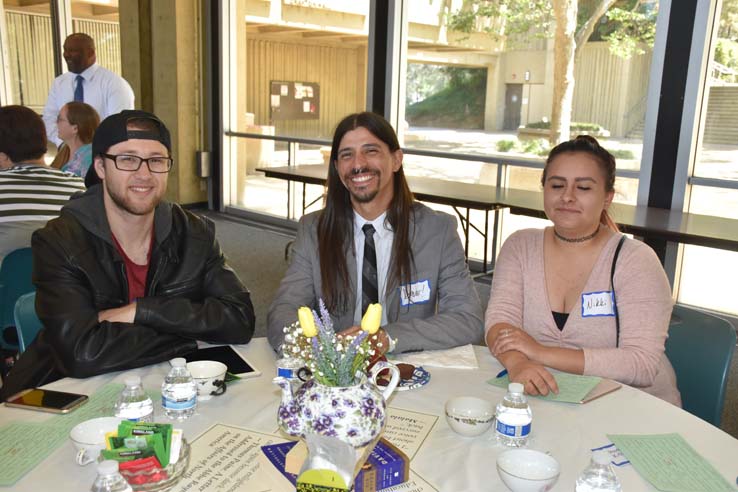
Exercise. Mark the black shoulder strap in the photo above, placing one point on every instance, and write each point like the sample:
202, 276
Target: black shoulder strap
612, 287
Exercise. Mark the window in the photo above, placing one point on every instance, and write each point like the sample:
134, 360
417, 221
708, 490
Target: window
297, 68
480, 82
713, 188
30, 52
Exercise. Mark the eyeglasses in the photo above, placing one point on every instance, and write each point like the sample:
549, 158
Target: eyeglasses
132, 163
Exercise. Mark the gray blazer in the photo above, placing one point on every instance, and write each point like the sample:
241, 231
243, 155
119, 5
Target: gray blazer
451, 317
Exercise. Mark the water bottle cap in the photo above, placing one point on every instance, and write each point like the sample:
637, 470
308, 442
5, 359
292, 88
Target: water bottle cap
601, 457
515, 388
178, 362
107, 467
133, 381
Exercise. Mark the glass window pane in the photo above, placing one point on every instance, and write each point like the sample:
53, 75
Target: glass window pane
30, 51
717, 155
716, 158
707, 278
99, 19
300, 69
481, 82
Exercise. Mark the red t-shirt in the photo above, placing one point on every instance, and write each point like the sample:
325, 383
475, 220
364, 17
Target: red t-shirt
135, 273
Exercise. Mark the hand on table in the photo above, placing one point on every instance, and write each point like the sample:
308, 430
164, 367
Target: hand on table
381, 338
515, 339
123, 314
534, 377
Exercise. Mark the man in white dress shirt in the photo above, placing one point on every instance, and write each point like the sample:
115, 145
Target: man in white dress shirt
86, 81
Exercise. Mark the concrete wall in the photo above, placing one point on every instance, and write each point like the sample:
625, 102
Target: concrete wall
339, 70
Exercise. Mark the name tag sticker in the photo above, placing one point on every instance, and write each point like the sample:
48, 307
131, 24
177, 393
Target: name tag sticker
420, 293
598, 304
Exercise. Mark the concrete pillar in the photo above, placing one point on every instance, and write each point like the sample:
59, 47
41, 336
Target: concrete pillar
163, 64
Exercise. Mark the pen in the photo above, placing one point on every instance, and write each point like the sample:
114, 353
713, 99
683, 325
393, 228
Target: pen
501, 373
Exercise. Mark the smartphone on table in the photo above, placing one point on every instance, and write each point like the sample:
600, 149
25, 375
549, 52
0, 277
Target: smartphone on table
46, 400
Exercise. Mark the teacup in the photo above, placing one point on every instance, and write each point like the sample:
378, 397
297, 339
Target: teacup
89, 437
209, 376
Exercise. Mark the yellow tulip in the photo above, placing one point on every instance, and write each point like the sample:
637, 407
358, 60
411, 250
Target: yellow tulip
372, 318
307, 322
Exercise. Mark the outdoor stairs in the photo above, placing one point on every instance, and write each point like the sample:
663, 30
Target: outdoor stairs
721, 123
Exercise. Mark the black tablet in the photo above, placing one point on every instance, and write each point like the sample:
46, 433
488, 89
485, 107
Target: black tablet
236, 363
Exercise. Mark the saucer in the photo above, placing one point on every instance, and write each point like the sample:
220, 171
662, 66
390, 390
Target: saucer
419, 378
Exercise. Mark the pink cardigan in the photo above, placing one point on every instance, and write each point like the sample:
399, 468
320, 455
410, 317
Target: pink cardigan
644, 302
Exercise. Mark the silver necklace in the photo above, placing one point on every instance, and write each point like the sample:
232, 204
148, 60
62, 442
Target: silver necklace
576, 239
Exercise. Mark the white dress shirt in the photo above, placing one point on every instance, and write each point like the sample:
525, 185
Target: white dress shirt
104, 90
383, 237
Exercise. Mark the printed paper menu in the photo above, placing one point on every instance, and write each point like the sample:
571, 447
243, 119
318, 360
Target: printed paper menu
226, 458
408, 430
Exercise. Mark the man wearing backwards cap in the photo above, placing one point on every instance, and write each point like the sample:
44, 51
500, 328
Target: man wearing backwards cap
125, 279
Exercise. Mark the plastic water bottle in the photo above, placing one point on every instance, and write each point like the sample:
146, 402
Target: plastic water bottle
598, 476
133, 403
179, 391
109, 479
513, 417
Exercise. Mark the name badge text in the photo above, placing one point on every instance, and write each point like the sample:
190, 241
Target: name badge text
598, 304
419, 293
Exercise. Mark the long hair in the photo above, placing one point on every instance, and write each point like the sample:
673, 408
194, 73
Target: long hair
87, 120
336, 221
606, 161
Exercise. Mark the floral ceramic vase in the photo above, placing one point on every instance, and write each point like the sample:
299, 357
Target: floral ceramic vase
354, 414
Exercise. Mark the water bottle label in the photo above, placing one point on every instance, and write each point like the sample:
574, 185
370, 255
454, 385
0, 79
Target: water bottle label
513, 430
171, 404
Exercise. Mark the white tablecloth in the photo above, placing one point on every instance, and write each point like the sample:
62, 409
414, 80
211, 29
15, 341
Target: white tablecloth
448, 461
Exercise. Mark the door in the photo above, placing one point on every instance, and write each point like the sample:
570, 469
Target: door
513, 104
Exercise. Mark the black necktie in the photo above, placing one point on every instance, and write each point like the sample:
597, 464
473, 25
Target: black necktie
369, 293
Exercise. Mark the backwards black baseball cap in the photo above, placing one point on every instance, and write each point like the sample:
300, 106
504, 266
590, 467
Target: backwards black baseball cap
114, 129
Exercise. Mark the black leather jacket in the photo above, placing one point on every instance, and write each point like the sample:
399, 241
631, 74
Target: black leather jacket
191, 294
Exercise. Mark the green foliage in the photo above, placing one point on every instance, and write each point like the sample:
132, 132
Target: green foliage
537, 146
628, 26
580, 127
459, 104
423, 80
632, 31
726, 52
506, 145
521, 16
623, 154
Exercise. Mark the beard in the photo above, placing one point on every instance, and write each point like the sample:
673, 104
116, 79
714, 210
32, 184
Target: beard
364, 196
128, 205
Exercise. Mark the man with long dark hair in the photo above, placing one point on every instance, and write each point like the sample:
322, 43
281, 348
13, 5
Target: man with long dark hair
374, 243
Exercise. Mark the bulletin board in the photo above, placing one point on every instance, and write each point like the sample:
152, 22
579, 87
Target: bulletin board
294, 100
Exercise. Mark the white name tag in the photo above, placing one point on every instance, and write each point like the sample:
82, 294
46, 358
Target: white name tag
598, 304
420, 293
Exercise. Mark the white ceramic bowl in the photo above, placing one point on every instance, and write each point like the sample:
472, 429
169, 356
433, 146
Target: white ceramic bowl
526, 470
469, 416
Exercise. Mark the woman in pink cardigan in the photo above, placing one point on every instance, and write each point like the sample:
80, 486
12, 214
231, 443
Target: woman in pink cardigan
552, 303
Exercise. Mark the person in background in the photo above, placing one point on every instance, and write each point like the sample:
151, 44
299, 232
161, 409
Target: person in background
124, 278
87, 82
373, 243
31, 193
76, 125
578, 296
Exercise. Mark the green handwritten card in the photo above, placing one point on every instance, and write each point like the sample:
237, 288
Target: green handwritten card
572, 387
670, 463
